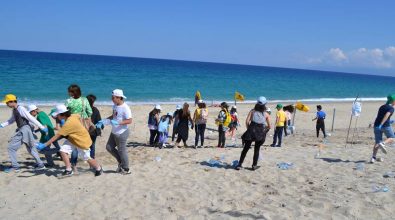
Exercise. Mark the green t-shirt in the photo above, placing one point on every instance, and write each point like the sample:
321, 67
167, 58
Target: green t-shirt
79, 106
43, 118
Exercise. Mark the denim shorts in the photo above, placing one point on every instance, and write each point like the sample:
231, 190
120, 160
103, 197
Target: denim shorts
378, 133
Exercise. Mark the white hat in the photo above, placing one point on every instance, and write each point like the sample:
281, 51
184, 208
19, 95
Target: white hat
200, 101
59, 110
178, 107
31, 108
233, 106
158, 107
118, 93
262, 100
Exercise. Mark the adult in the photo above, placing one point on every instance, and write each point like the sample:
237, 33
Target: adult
320, 117
382, 124
153, 122
184, 119
120, 119
77, 104
258, 124
223, 120
95, 118
175, 124
200, 118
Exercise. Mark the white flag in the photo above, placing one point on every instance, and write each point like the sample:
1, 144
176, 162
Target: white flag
356, 109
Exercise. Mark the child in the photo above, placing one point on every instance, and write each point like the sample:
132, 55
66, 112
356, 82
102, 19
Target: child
200, 118
23, 134
153, 121
233, 124
43, 118
280, 123
120, 119
77, 138
223, 120
163, 129
320, 117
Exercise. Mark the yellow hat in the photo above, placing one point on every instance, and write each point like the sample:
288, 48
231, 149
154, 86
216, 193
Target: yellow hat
9, 98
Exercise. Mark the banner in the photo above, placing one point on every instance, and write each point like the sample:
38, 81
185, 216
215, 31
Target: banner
239, 96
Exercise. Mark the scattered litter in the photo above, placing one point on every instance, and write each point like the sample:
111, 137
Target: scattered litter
235, 163
389, 174
285, 166
157, 159
376, 189
214, 163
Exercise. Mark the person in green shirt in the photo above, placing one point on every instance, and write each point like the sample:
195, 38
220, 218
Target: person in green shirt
43, 118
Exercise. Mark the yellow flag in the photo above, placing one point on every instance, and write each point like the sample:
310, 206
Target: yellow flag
239, 96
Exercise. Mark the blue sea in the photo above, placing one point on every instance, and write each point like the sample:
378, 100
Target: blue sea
40, 77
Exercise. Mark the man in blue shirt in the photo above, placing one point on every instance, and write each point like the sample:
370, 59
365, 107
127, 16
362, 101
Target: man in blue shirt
382, 124
320, 121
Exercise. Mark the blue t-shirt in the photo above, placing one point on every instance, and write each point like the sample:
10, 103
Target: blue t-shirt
321, 115
380, 115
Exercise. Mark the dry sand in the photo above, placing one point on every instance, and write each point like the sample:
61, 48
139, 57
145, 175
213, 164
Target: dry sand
182, 186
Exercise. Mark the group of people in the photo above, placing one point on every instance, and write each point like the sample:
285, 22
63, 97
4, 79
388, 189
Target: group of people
79, 122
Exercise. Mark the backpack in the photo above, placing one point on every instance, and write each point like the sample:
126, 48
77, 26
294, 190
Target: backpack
201, 116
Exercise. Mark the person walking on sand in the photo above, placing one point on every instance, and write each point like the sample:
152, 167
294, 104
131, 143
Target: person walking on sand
95, 117
280, 123
153, 122
320, 117
77, 104
185, 121
175, 124
77, 138
258, 124
382, 124
43, 118
288, 113
119, 120
200, 118
223, 120
24, 134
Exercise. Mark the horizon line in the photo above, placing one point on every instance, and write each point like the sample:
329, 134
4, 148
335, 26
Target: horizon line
197, 61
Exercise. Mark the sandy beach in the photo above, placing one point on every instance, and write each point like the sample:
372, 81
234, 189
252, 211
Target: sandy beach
181, 185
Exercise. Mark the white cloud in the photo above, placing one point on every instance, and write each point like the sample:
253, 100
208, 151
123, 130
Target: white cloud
361, 57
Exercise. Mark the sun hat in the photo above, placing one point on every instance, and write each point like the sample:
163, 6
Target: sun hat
390, 98
224, 105
59, 110
178, 107
279, 106
31, 108
158, 107
9, 98
118, 93
200, 101
262, 100
233, 106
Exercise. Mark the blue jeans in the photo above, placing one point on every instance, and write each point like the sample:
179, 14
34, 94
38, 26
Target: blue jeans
278, 134
378, 133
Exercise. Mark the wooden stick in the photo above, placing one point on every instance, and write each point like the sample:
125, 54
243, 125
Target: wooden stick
349, 127
333, 120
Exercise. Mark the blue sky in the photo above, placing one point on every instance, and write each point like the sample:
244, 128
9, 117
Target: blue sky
351, 36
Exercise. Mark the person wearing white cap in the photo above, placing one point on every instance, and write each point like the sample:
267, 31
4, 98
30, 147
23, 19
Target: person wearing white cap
258, 124
77, 138
43, 118
176, 120
23, 135
163, 129
153, 122
119, 120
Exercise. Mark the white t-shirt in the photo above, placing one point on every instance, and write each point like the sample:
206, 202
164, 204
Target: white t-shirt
120, 113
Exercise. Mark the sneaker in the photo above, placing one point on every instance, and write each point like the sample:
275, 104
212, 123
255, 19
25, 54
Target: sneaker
382, 147
126, 171
99, 172
10, 169
164, 146
372, 160
195, 146
119, 169
278, 145
254, 167
39, 167
67, 173
238, 167
272, 145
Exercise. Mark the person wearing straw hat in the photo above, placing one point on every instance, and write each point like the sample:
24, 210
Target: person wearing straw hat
43, 118
77, 138
24, 134
119, 120
382, 125
258, 124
